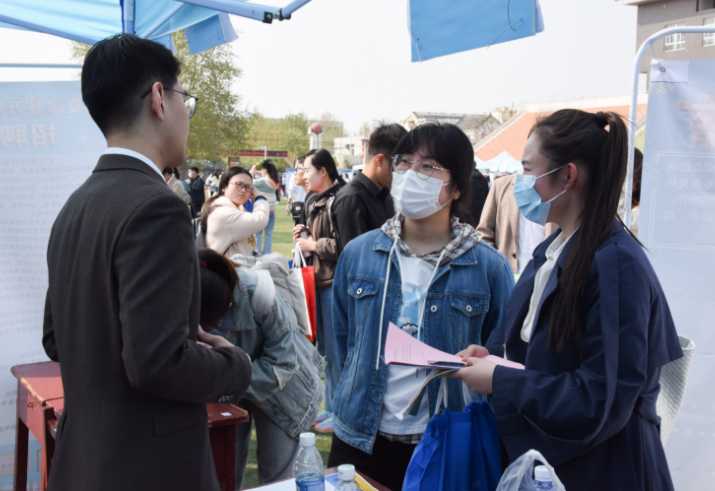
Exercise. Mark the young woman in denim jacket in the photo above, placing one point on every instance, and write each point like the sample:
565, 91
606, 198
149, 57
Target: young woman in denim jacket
588, 319
286, 391
427, 272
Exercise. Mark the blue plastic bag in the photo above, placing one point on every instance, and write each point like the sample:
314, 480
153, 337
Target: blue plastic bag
459, 451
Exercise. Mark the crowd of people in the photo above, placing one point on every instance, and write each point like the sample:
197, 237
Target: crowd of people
152, 328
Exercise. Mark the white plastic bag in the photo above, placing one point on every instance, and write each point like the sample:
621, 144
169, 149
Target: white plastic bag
519, 475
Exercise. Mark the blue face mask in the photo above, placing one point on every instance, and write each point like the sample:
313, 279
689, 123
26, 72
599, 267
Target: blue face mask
529, 201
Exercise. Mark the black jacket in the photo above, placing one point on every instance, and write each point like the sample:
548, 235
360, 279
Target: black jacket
359, 208
480, 190
197, 190
122, 322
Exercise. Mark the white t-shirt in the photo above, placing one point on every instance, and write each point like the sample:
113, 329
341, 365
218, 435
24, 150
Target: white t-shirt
403, 382
542, 277
530, 236
295, 192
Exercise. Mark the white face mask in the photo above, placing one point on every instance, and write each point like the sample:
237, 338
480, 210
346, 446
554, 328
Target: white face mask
416, 197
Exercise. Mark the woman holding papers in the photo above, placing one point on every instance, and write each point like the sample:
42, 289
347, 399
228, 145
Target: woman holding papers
427, 272
588, 319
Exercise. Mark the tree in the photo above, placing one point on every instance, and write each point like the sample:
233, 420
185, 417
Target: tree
219, 123
365, 129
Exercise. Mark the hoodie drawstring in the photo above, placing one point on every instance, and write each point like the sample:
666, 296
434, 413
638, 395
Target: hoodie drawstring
384, 299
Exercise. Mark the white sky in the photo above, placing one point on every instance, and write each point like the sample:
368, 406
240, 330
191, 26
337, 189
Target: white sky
352, 58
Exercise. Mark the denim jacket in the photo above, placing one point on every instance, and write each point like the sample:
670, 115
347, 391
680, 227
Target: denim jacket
285, 383
465, 303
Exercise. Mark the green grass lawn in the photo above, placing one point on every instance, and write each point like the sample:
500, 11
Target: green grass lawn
283, 243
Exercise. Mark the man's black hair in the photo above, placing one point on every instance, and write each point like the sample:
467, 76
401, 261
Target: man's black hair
385, 138
117, 71
168, 171
195, 169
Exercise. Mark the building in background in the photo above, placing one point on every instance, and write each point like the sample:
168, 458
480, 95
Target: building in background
512, 135
475, 126
656, 15
350, 151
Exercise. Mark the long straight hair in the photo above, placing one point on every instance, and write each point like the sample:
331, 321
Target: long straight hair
581, 138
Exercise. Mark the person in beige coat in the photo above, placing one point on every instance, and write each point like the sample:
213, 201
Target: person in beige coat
226, 223
175, 185
502, 226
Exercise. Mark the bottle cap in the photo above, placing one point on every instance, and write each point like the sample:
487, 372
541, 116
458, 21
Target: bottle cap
541, 473
346, 472
307, 439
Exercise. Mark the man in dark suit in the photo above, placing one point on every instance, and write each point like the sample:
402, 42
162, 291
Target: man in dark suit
122, 323
198, 196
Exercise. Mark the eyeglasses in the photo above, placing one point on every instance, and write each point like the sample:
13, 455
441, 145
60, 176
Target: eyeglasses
240, 186
190, 102
423, 168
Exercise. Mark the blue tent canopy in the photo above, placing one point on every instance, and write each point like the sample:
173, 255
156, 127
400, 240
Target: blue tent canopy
504, 163
89, 21
451, 26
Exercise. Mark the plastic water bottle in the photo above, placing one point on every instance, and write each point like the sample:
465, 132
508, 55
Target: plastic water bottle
542, 479
346, 475
309, 473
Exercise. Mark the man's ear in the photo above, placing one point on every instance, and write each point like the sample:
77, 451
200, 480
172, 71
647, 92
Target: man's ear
157, 101
380, 159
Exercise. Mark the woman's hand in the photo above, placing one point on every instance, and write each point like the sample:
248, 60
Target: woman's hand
213, 340
297, 230
254, 194
473, 351
477, 375
306, 245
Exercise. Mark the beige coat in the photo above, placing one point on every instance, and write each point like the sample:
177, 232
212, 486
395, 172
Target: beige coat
229, 226
499, 224
179, 189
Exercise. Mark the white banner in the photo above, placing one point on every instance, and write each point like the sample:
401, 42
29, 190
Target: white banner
48, 147
678, 229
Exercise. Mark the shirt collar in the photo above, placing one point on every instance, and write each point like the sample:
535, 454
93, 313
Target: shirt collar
136, 155
368, 184
558, 245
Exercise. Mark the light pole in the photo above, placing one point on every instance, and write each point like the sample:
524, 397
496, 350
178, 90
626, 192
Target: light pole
295, 151
265, 152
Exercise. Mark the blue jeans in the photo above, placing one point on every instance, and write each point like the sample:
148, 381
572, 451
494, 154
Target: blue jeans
269, 235
327, 346
275, 449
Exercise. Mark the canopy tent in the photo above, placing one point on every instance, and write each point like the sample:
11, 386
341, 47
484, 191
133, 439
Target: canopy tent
451, 26
89, 21
435, 28
503, 163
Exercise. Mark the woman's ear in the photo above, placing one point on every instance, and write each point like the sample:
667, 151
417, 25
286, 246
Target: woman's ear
571, 175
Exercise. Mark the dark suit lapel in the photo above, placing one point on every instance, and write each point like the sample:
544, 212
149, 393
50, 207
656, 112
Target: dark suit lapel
553, 281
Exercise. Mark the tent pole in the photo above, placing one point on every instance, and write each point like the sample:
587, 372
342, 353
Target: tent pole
250, 10
286, 11
628, 191
128, 17
46, 30
162, 20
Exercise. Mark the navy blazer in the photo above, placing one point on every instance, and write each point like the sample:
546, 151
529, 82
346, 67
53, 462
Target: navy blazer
590, 409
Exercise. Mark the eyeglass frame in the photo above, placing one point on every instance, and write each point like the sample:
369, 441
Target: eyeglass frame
240, 186
196, 104
413, 164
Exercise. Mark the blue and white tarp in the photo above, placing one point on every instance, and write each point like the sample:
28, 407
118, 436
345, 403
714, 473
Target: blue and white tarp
677, 227
48, 147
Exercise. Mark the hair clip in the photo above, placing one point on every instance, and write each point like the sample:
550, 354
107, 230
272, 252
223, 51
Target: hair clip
203, 263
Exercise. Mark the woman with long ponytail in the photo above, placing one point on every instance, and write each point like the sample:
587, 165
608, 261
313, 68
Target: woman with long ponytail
318, 237
588, 319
